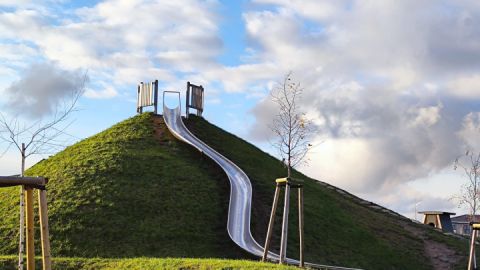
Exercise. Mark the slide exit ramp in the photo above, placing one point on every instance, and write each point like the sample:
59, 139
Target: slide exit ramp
239, 210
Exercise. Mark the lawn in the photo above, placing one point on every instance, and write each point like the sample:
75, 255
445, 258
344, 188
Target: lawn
9, 262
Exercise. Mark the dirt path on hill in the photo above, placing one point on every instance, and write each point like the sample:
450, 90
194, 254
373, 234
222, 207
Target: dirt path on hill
158, 123
441, 256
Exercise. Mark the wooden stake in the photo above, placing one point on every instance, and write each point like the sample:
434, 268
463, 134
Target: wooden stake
474, 250
270, 223
44, 231
283, 244
30, 227
155, 98
187, 100
300, 223
21, 245
471, 257
138, 99
203, 100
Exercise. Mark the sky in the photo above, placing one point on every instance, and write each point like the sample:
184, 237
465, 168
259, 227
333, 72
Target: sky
393, 87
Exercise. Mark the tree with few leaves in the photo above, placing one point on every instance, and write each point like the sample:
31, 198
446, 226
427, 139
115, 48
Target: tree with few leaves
470, 192
43, 136
291, 126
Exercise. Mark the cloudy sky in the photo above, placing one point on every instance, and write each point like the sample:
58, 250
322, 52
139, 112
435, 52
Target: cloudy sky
392, 86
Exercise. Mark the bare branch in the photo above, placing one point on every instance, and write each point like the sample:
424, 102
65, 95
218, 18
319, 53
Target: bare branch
291, 127
470, 192
42, 137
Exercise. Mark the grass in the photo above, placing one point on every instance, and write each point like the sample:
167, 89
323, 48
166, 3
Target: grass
134, 191
9, 262
338, 229
125, 193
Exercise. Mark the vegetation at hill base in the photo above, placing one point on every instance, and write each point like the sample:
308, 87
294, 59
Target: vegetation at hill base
9, 263
133, 190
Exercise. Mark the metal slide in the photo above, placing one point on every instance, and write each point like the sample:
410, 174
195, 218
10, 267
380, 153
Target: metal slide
239, 212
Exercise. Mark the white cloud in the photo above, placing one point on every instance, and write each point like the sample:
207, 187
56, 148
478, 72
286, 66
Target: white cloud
14, 2
383, 87
467, 86
312, 9
107, 92
112, 42
346, 163
426, 116
10, 53
470, 131
241, 78
42, 88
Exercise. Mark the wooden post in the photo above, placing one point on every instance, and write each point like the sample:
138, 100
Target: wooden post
187, 101
30, 227
283, 243
203, 101
155, 97
270, 223
21, 245
300, 223
139, 98
472, 251
200, 110
44, 231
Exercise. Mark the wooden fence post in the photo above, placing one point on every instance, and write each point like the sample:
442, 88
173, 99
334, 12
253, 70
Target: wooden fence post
283, 243
155, 98
30, 227
44, 230
187, 100
270, 223
21, 245
300, 223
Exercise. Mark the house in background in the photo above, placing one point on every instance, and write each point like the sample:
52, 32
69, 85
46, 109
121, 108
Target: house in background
461, 224
438, 219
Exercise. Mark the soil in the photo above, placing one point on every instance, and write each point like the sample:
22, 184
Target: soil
159, 125
441, 256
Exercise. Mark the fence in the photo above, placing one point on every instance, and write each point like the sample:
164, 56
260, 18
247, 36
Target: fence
147, 95
195, 98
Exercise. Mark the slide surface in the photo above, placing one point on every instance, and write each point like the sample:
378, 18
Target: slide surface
239, 212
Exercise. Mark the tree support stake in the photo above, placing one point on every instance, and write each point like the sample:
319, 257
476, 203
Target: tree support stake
288, 183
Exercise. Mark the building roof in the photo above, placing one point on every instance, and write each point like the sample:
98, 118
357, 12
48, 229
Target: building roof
436, 213
464, 219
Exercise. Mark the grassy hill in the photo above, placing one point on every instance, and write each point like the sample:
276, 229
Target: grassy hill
133, 190
340, 229
129, 192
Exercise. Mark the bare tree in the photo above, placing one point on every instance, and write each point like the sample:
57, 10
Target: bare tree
38, 137
470, 192
292, 128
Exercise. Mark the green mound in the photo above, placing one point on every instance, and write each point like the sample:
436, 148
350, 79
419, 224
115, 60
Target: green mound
340, 229
135, 191
129, 191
